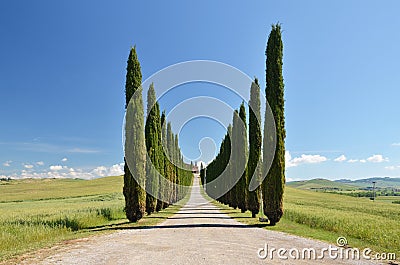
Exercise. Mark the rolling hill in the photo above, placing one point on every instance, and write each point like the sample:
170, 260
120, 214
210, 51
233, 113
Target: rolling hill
380, 182
320, 184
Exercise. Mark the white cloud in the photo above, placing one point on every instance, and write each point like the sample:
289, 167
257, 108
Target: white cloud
7, 163
352, 160
114, 170
28, 166
288, 157
341, 158
58, 171
56, 168
303, 159
82, 151
395, 144
377, 159
372, 159
64, 159
40, 163
100, 171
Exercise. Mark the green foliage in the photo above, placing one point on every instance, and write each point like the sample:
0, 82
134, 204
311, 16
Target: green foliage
231, 160
242, 185
273, 185
255, 141
171, 167
133, 76
153, 145
161, 161
135, 195
176, 171
166, 172
219, 168
234, 202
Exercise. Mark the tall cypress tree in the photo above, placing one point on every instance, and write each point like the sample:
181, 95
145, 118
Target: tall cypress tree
234, 155
161, 161
229, 166
274, 183
153, 141
171, 167
255, 146
135, 148
243, 154
164, 188
176, 162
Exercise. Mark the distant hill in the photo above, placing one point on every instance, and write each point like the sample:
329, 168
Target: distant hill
345, 184
320, 184
380, 182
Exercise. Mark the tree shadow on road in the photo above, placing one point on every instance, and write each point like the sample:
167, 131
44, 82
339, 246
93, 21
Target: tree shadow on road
178, 226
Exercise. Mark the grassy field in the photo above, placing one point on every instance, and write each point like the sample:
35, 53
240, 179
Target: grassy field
326, 216
39, 213
42, 189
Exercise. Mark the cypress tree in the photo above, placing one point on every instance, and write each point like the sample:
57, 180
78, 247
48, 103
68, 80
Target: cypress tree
229, 165
171, 168
235, 153
202, 174
255, 146
135, 195
176, 162
161, 162
243, 154
153, 141
164, 147
274, 183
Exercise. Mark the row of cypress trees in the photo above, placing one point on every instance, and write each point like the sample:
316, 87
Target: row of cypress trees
272, 187
235, 150
155, 137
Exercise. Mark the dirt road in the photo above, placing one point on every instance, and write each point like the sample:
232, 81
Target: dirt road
198, 234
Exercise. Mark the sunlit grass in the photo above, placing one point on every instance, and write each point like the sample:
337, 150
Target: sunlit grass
54, 215
323, 216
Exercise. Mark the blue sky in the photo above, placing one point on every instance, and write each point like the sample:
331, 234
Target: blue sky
62, 75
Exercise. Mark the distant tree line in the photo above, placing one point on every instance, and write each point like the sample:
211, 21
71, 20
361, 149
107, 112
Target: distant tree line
239, 147
155, 137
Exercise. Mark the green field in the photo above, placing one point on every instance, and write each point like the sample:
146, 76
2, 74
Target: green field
40, 189
327, 216
39, 213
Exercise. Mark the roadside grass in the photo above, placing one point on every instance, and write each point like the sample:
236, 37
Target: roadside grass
324, 216
58, 212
